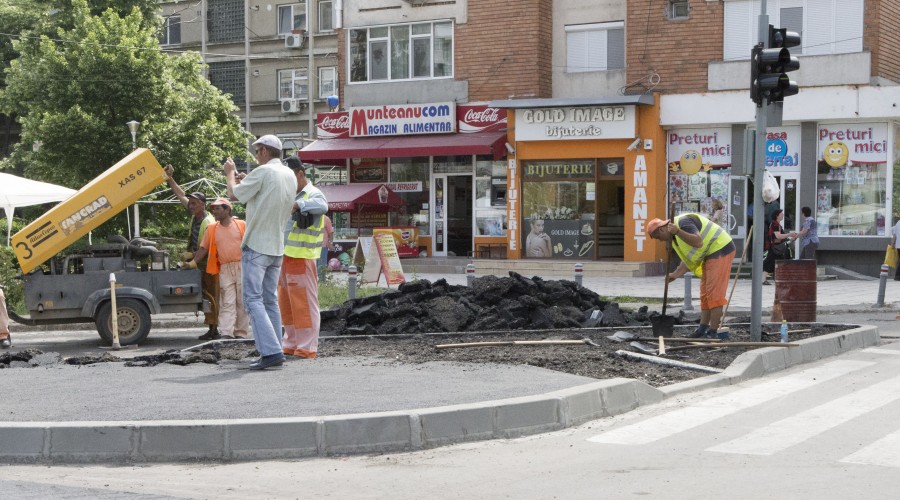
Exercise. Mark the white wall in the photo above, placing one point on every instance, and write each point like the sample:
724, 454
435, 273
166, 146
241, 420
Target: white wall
590, 84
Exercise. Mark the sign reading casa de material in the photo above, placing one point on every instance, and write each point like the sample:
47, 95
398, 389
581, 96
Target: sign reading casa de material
403, 119
583, 122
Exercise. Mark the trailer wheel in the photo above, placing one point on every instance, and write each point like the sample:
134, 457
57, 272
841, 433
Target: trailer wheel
133, 319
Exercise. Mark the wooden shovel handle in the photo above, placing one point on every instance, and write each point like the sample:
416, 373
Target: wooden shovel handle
511, 342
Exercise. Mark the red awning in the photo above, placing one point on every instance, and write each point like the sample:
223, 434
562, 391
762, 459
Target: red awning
479, 143
353, 197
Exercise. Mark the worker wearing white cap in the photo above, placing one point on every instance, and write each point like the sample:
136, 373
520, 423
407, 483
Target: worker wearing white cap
269, 192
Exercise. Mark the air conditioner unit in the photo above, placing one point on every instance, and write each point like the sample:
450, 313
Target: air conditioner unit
294, 40
293, 106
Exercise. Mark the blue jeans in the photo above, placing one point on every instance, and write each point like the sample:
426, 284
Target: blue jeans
259, 279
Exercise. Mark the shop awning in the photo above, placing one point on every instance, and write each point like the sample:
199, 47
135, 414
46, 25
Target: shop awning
479, 143
376, 197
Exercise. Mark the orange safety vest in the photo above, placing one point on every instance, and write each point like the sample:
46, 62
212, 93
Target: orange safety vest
212, 263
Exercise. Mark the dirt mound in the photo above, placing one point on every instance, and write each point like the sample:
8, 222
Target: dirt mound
491, 303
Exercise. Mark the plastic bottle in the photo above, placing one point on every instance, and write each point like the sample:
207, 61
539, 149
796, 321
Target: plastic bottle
784, 332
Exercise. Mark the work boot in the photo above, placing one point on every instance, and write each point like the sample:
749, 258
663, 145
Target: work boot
6, 342
211, 334
723, 336
699, 332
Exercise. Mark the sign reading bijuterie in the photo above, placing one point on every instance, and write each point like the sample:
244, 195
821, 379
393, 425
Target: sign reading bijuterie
97, 202
573, 169
403, 119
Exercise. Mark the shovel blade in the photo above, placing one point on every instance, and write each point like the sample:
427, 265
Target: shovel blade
621, 336
663, 325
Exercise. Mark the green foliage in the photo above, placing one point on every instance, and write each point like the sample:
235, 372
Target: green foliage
9, 269
332, 293
75, 91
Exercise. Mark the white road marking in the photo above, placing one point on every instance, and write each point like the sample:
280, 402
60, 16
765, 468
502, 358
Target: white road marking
795, 429
879, 350
674, 422
884, 452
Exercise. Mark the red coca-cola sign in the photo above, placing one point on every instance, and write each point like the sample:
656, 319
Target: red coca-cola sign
333, 125
480, 118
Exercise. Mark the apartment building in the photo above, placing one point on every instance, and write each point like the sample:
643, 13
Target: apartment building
416, 78
278, 61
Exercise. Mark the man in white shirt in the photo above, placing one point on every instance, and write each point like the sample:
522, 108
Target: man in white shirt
269, 193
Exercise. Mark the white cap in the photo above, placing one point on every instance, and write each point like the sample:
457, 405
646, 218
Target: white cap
269, 140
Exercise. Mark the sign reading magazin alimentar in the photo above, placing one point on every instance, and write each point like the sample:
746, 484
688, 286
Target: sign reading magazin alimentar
403, 119
588, 122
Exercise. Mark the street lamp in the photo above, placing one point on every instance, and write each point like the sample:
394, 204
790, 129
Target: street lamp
133, 127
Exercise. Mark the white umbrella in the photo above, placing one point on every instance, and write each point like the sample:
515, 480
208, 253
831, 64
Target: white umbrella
18, 192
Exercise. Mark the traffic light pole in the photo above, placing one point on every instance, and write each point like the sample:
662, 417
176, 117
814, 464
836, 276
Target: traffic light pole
759, 210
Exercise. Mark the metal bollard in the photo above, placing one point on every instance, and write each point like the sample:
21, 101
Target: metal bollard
579, 273
687, 293
351, 282
470, 274
882, 284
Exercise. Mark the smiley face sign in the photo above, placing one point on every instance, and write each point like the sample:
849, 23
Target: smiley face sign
691, 162
836, 154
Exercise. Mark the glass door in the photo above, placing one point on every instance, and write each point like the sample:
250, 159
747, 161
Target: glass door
439, 215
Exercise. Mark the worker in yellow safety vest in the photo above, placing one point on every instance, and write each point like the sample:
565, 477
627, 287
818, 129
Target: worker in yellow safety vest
706, 250
298, 298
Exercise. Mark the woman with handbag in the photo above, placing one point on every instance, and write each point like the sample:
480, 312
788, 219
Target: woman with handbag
776, 246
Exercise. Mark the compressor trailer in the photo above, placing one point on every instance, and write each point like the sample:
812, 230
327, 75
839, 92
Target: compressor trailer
76, 288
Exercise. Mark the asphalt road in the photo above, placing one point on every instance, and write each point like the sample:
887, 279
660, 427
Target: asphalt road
825, 430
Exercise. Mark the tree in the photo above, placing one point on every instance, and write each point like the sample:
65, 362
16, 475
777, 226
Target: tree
73, 93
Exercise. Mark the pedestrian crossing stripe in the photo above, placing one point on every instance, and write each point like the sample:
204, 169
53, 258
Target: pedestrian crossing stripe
884, 452
703, 412
879, 350
795, 429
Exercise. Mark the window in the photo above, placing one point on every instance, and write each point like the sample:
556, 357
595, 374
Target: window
401, 52
327, 82
826, 26
326, 16
293, 84
679, 9
171, 31
852, 179
291, 17
414, 211
229, 78
225, 20
595, 47
558, 209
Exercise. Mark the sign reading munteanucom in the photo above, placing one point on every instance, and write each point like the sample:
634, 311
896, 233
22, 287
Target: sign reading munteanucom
403, 119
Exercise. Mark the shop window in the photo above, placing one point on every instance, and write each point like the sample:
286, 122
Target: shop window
461, 164
852, 180
558, 209
490, 197
401, 52
414, 213
595, 47
291, 17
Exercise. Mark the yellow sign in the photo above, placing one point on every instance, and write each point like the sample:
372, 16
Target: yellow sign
390, 261
97, 202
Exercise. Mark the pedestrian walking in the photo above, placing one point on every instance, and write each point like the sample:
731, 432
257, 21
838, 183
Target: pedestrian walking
776, 245
809, 237
895, 242
268, 190
222, 245
298, 285
195, 203
706, 250
328, 239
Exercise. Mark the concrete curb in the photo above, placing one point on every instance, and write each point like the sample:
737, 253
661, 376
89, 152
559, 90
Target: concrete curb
398, 431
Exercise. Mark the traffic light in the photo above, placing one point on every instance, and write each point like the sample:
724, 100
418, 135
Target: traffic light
769, 65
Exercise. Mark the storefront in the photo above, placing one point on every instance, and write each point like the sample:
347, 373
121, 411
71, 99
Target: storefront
445, 161
586, 176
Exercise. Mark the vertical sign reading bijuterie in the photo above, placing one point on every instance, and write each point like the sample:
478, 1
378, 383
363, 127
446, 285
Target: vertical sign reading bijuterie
512, 207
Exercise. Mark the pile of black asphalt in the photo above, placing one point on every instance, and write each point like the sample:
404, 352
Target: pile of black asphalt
492, 303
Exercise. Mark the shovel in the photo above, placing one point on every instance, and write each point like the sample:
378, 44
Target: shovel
664, 325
